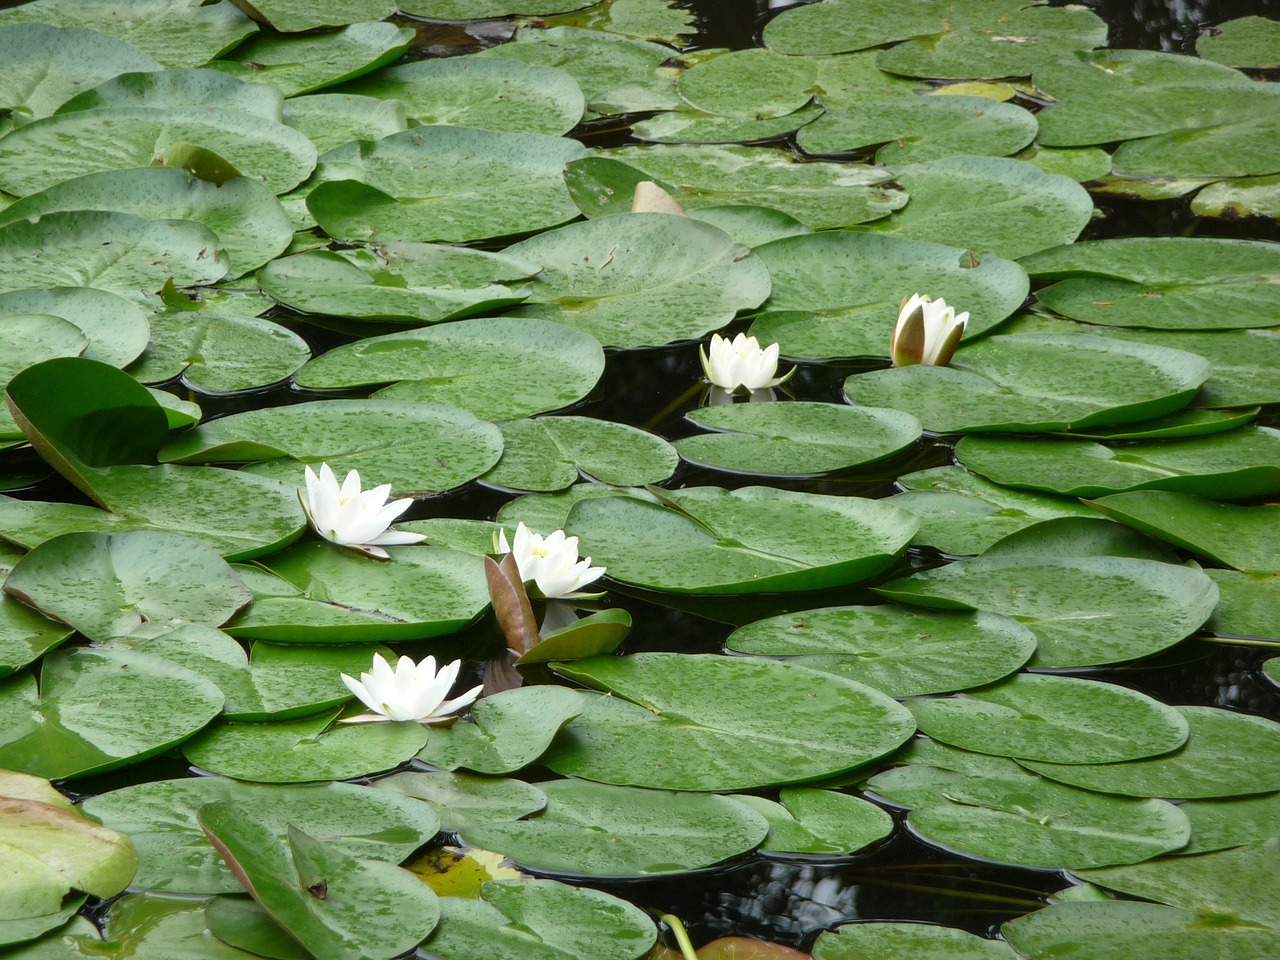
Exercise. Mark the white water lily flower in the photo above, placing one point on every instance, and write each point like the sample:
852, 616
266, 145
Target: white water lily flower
741, 363
551, 563
927, 331
350, 518
413, 691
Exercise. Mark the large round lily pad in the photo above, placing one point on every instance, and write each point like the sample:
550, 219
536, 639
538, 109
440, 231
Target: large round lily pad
601, 830
686, 722
551, 453
757, 539
115, 329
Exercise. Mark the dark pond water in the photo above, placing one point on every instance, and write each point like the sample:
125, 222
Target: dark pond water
790, 900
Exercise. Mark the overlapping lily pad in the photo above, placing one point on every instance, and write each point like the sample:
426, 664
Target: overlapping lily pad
416, 447
551, 453
465, 799
767, 723
889, 941
821, 822
641, 279
602, 830
444, 183
796, 439
692, 126
901, 651
292, 16
1247, 42
115, 329
219, 353
756, 539
25, 633
1083, 611
1033, 383
331, 119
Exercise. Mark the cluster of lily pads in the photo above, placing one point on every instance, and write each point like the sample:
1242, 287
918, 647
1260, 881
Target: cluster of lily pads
184, 186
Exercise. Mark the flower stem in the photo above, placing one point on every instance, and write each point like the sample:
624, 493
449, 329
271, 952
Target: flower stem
681, 935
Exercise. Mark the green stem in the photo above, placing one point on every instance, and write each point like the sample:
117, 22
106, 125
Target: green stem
1240, 641
681, 935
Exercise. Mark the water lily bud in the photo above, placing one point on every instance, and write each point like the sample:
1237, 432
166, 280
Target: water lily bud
928, 331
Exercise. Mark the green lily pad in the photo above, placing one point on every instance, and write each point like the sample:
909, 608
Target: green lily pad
247, 219
796, 439
759, 84
1175, 426
767, 723
1225, 150
1226, 755
1245, 197
178, 33
466, 799
1081, 537
995, 204
1057, 719
174, 856
818, 194
116, 329
381, 285
240, 922
963, 514
509, 730
544, 366
1033, 383
318, 593
110, 585
292, 16
331, 119
97, 710
1245, 538
752, 540
116, 252
552, 453
484, 93
540, 920
690, 126
170, 89
444, 183
49, 151
601, 830
916, 129
641, 279
1083, 611
1222, 824
820, 822
658, 20
337, 906
1246, 42
32, 928
1231, 884
30, 339
616, 74
921, 941
836, 26
1164, 283
303, 750
218, 353
25, 634
897, 650
47, 65
1081, 164
312, 62
1229, 466
416, 447
1118, 930
1249, 605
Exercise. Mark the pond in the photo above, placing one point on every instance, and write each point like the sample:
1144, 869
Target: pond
920, 660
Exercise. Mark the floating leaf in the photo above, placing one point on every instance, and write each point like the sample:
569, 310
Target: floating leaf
116, 329
331, 119
821, 822
551, 453
292, 16
466, 799
1246, 42
890, 941
218, 353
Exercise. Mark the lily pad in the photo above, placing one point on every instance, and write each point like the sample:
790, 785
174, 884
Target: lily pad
416, 447
1229, 466
484, 93
110, 585
292, 16
601, 830
995, 204
247, 219
889, 941
168, 89
49, 151
1033, 383
444, 183
544, 366
768, 723
1226, 755
756, 539
1057, 719
1083, 611
1249, 606
178, 33
691, 126
818, 194
116, 329
331, 119
836, 26
1163, 283
303, 750
218, 353
466, 799
796, 439
641, 279
312, 62
820, 822
1245, 197
1247, 42
551, 453
25, 634
97, 710
1224, 150
897, 650
174, 856
1222, 824
540, 920
1245, 538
